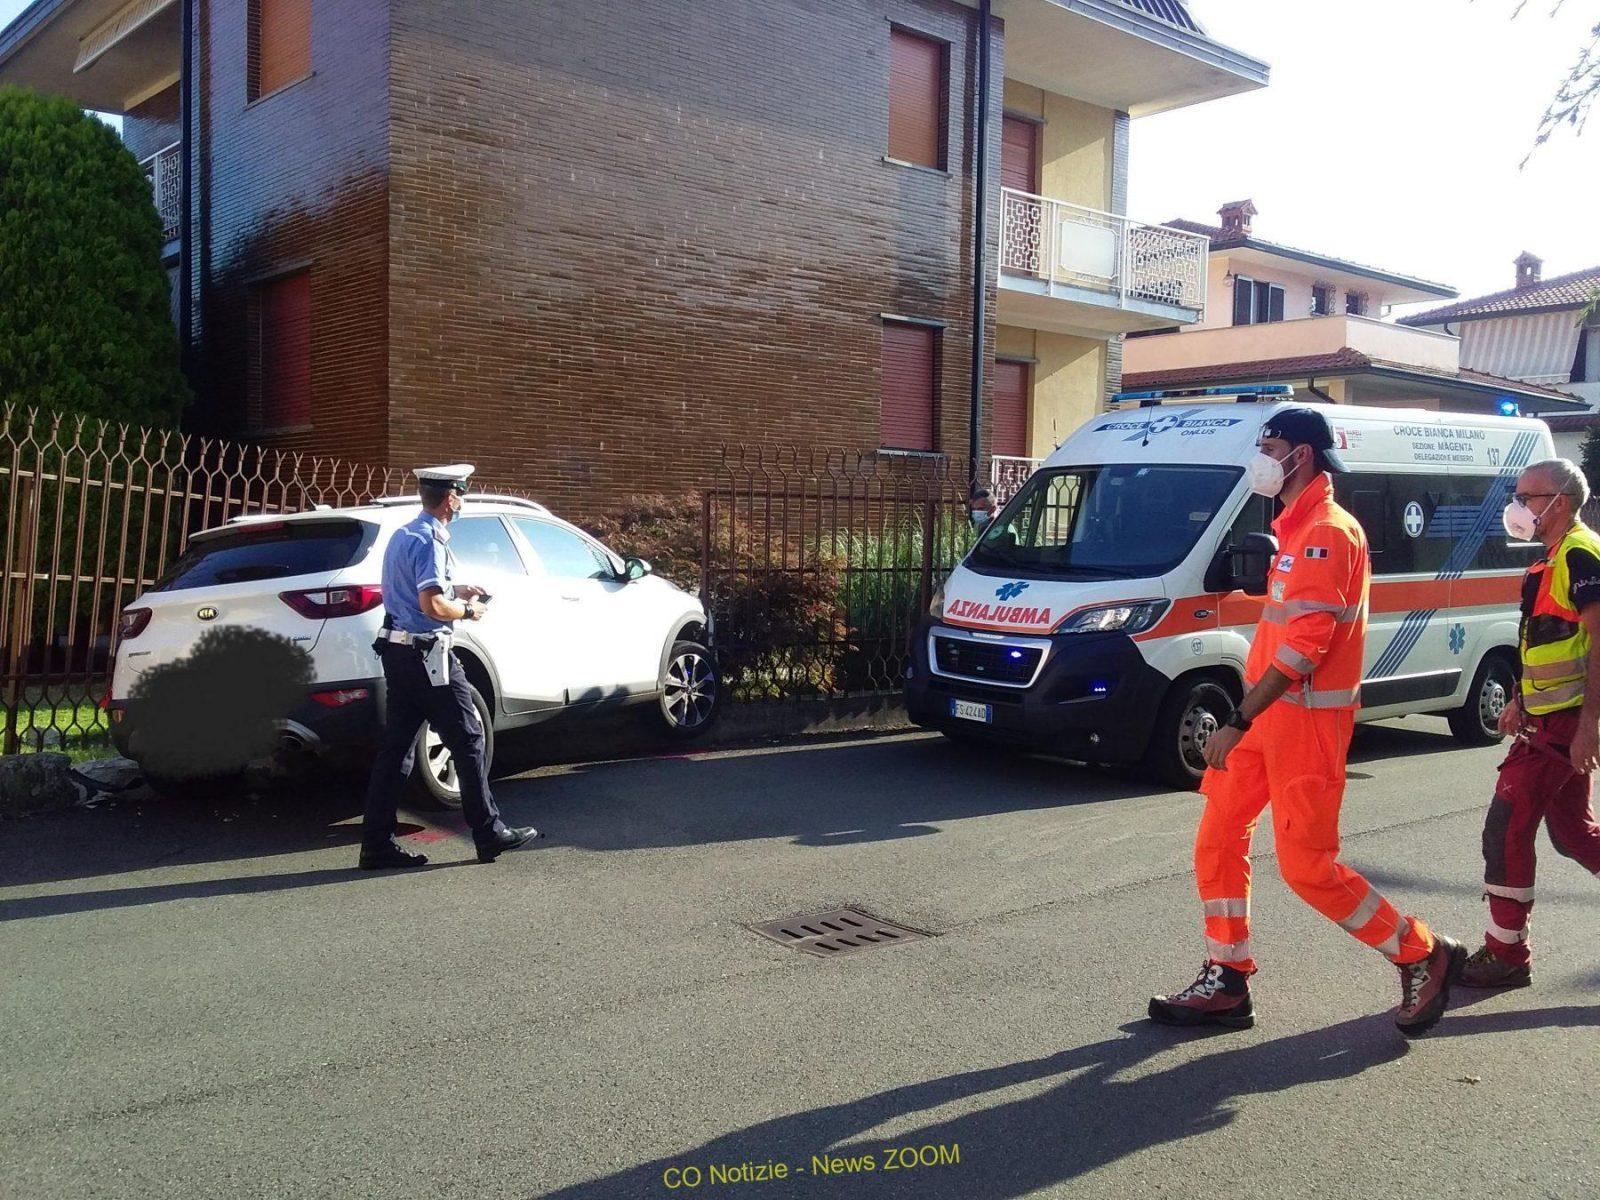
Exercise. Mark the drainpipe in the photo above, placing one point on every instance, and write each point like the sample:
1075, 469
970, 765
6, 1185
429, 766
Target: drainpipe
980, 242
1311, 386
185, 185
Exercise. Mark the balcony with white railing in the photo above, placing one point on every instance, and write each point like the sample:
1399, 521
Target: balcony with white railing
162, 169
1007, 475
1072, 269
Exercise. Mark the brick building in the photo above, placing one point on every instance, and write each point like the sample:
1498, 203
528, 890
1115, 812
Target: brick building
582, 244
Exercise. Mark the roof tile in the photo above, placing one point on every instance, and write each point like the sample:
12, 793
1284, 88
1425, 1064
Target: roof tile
1562, 291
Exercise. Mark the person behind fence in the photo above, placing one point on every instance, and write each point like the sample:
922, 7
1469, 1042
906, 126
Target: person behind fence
1285, 745
424, 680
1555, 717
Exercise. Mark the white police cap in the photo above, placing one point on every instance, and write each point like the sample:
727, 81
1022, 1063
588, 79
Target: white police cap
454, 476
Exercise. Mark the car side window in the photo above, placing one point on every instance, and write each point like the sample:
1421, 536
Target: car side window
482, 544
565, 554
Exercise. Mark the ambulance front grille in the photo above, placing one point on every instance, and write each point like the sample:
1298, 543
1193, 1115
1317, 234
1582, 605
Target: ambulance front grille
986, 662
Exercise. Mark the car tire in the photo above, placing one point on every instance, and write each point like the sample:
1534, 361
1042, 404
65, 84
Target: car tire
1191, 713
689, 699
435, 784
1476, 722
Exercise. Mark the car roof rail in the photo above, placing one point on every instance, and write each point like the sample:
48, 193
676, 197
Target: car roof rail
471, 497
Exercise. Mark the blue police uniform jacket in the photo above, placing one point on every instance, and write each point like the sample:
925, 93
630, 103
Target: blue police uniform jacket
417, 556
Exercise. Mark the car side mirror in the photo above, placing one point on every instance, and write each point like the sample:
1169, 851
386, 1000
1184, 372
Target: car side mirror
635, 568
1251, 562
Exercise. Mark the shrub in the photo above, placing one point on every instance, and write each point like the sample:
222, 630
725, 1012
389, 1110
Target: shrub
85, 326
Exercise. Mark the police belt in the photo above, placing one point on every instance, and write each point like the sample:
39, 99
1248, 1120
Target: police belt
404, 637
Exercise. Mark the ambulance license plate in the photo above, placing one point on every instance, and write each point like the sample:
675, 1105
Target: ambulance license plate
969, 710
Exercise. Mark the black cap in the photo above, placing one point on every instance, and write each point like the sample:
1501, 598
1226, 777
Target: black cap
1306, 427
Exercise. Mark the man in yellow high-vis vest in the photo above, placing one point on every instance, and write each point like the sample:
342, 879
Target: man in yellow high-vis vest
1555, 717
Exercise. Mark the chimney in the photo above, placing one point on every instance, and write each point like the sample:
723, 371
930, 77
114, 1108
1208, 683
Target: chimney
1530, 269
1236, 219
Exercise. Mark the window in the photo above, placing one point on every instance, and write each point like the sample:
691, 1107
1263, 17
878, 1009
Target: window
1121, 521
564, 554
910, 386
1019, 154
1256, 302
269, 551
1010, 437
1355, 304
280, 45
1321, 300
482, 544
280, 383
916, 99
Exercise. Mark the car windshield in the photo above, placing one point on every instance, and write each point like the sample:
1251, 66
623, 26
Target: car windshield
1121, 521
272, 551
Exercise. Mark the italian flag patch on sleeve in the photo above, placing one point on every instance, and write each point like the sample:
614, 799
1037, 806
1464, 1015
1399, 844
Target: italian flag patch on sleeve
1316, 552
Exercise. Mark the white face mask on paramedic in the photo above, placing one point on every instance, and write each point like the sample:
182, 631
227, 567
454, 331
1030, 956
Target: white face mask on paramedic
1267, 474
1520, 521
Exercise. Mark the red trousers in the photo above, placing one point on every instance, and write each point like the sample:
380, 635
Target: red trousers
1294, 758
1537, 782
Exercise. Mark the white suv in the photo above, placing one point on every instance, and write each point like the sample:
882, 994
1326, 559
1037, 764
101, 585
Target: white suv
571, 627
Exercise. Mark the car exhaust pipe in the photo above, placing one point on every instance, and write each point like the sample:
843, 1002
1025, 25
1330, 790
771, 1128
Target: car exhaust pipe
295, 739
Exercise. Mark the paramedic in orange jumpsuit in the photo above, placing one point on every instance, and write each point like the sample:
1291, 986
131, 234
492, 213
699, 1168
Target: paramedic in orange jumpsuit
1285, 745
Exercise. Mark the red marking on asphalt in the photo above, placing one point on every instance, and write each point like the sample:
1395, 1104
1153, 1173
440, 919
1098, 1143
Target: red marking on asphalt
431, 835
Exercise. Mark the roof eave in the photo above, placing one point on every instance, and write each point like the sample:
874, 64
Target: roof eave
1444, 291
26, 23
1460, 318
1152, 29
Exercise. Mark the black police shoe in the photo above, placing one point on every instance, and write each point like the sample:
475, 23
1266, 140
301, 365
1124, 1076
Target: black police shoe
510, 839
387, 857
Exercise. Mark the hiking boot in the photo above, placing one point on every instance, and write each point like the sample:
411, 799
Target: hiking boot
1220, 996
1486, 969
1425, 985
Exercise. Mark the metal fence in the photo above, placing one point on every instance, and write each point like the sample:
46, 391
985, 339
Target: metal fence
92, 514
815, 566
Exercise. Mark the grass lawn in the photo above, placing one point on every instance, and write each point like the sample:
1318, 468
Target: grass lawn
84, 728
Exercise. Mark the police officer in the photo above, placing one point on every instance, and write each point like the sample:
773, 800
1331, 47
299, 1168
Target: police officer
424, 679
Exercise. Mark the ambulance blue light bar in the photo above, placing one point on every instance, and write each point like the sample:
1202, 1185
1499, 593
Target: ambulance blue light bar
1245, 393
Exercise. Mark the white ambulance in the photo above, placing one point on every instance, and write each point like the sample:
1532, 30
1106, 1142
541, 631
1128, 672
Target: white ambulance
1106, 613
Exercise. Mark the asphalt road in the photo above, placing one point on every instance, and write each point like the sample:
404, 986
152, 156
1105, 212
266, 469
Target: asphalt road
208, 1001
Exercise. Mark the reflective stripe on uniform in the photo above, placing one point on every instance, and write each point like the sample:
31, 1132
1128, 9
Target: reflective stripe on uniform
1294, 660
1511, 936
1347, 698
1281, 613
1522, 894
1566, 669
1228, 951
1226, 908
1391, 944
1538, 701
1365, 911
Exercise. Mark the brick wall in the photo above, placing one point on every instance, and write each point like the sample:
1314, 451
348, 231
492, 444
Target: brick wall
298, 179
153, 124
626, 231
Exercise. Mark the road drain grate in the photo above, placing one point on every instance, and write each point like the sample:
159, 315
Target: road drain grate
837, 931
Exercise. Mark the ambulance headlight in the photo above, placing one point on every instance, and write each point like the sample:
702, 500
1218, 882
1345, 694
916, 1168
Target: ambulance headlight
1137, 617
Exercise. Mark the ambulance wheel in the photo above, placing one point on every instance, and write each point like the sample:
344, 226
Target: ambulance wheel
435, 782
1477, 722
1191, 713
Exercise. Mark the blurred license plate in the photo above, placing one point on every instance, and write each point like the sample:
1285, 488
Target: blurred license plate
967, 710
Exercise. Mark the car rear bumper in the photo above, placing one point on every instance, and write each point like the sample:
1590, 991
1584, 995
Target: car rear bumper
1094, 697
334, 718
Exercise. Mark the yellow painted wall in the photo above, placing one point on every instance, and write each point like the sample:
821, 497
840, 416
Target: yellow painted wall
1068, 388
1075, 149
1013, 342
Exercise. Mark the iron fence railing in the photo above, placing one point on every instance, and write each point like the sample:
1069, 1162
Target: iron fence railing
816, 566
1007, 475
162, 169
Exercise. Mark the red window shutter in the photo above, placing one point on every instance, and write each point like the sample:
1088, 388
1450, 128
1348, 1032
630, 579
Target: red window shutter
910, 386
285, 350
916, 99
283, 43
1011, 409
1019, 155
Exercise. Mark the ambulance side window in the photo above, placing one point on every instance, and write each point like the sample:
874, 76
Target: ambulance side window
1255, 517
1475, 505
1365, 497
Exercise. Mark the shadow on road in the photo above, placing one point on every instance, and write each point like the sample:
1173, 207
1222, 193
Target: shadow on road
1109, 1100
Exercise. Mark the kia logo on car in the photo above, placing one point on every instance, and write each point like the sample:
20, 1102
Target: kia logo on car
207, 613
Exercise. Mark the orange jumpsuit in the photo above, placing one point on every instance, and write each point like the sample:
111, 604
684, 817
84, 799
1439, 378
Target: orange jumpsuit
1313, 629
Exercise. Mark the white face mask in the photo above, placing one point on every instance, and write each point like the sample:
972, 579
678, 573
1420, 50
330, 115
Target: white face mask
1520, 521
1266, 474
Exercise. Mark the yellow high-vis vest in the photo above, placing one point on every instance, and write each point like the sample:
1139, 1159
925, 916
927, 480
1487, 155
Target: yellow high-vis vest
1555, 645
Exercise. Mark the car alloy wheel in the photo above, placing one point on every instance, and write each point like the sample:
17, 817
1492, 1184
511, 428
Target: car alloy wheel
690, 690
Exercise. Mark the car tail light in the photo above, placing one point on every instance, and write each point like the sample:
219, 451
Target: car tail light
132, 622
340, 697
322, 603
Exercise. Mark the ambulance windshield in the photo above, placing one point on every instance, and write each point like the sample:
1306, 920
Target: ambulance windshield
1114, 521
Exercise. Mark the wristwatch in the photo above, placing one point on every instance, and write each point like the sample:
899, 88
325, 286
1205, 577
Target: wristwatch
1237, 720
467, 616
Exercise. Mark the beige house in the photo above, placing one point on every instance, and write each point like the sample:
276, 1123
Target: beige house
1279, 314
